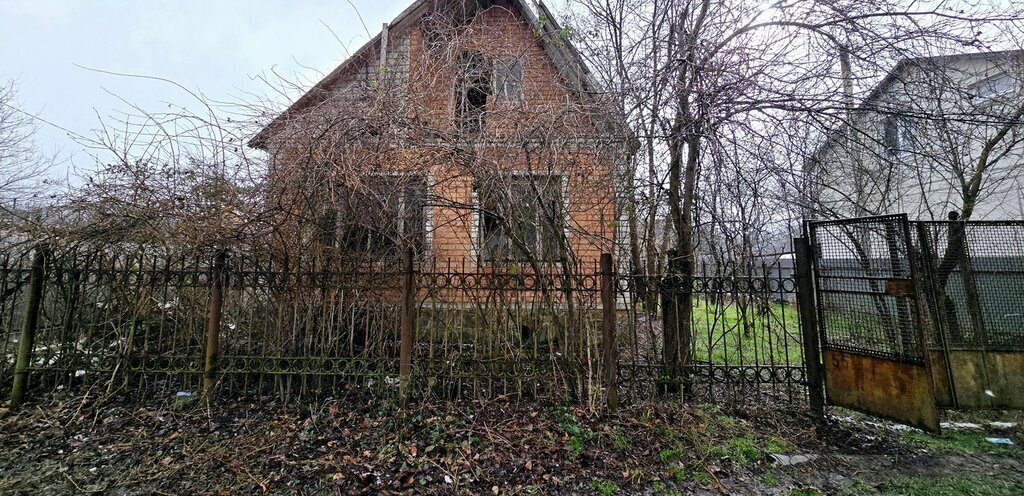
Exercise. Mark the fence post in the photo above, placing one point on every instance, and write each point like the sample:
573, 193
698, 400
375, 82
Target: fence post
610, 351
408, 308
809, 325
28, 329
213, 325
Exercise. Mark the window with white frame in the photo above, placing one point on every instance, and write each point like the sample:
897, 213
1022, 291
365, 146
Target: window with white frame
521, 217
995, 86
899, 135
383, 215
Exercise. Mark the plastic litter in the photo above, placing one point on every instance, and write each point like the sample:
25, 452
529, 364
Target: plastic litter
792, 459
960, 426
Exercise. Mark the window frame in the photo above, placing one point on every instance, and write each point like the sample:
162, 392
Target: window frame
473, 68
397, 230
976, 89
543, 232
500, 85
904, 132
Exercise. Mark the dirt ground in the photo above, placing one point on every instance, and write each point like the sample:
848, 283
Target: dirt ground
356, 445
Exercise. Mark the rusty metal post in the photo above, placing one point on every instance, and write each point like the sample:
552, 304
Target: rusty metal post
408, 309
213, 325
610, 348
933, 294
809, 325
28, 329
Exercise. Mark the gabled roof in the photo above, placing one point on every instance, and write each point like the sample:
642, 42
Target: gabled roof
563, 55
897, 73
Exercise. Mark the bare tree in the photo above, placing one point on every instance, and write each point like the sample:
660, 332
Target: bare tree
22, 165
742, 92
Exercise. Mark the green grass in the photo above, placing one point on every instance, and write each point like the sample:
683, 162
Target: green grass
961, 443
729, 334
604, 487
804, 492
741, 451
949, 486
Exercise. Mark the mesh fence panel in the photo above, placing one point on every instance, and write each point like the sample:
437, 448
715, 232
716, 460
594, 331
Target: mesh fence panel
865, 287
975, 282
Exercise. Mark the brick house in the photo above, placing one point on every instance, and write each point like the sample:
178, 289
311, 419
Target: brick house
470, 131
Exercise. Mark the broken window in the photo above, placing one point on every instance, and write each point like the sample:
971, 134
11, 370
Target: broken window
471, 91
521, 217
508, 80
384, 215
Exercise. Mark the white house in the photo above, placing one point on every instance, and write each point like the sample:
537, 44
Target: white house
936, 135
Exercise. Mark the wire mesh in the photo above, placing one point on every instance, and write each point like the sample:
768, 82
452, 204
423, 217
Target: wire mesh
975, 283
866, 288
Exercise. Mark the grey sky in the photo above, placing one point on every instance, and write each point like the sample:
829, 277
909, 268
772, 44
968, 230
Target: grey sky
215, 47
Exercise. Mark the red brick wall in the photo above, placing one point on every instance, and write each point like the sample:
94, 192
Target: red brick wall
552, 117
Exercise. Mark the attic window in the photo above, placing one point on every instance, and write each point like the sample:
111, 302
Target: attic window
471, 91
899, 134
508, 80
995, 86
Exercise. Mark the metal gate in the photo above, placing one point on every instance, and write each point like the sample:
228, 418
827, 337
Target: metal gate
871, 319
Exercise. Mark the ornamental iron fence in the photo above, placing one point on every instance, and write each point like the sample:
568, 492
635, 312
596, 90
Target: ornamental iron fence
234, 323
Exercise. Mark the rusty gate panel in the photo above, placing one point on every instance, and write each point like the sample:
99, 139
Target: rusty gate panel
980, 379
886, 388
871, 319
974, 287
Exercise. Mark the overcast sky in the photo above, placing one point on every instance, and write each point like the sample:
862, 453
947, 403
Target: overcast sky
216, 47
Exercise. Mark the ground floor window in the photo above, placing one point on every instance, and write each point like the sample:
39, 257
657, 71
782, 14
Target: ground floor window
382, 215
521, 217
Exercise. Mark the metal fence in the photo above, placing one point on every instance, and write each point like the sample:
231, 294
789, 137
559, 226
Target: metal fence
976, 282
149, 323
935, 306
866, 297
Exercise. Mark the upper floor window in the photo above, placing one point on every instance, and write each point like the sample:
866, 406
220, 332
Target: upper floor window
508, 79
899, 135
472, 87
480, 78
383, 216
994, 86
522, 217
